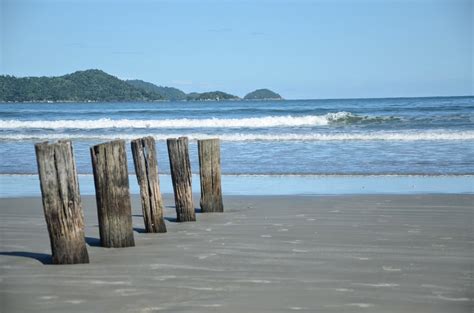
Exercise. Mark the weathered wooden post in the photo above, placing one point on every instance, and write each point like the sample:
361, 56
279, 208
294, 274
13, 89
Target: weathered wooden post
178, 152
210, 173
109, 163
146, 169
62, 202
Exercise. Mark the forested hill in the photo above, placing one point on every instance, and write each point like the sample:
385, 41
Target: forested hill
96, 85
89, 85
262, 94
210, 96
168, 93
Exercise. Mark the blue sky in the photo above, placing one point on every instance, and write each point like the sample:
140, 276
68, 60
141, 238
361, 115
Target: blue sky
301, 49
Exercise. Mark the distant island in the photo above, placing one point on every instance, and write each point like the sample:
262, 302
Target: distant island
96, 85
90, 85
211, 96
262, 94
168, 93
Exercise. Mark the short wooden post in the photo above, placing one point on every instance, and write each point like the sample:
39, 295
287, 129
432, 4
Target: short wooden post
62, 202
109, 164
210, 174
146, 169
178, 152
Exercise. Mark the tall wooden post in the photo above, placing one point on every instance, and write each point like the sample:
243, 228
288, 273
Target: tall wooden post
146, 169
109, 163
210, 173
62, 202
178, 152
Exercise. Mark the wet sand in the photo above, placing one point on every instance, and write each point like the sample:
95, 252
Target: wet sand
366, 253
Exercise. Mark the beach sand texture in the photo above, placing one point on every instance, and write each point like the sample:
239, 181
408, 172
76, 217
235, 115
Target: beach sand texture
376, 253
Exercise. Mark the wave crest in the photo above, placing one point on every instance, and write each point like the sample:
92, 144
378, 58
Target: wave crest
350, 118
236, 137
252, 122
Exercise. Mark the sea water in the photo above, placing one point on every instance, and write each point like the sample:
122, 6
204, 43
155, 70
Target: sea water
297, 144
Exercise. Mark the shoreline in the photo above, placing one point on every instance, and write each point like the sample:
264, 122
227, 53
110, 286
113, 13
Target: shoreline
28, 184
196, 196
241, 99
379, 253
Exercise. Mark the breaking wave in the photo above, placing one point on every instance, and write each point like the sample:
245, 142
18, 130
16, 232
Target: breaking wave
253, 122
236, 137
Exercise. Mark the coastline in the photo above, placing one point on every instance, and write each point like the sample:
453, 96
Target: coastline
390, 253
241, 99
27, 185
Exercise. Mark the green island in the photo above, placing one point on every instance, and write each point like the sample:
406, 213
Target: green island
168, 93
90, 85
210, 96
262, 94
95, 85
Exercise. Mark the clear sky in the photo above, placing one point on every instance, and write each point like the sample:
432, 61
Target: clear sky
301, 49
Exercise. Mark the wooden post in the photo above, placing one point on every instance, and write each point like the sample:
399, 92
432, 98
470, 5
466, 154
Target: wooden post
181, 176
109, 163
210, 173
62, 202
146, 169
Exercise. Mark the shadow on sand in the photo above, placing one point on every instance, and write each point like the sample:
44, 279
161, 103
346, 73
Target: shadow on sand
93, 242
171, 219
40, 257
175, 220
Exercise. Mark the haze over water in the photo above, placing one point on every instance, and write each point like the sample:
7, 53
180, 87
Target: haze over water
428, 136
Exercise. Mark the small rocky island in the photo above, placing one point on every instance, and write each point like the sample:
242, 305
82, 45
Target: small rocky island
263, 94
210, 96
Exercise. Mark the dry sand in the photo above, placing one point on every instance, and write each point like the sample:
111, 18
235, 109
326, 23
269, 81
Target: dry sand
265, 254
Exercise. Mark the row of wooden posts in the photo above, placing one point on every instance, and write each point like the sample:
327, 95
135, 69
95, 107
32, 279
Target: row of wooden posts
62, 201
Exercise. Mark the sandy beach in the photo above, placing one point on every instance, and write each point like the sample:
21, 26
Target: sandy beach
376, 253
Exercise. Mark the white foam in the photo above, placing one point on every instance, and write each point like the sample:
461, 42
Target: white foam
344, 289
75, 301
254, 281
103, 282
198, 288
452, 299
297, 241
241, 137
48, 297
212, 305
360, 305
205, 256
299, 250
382, 285
252, 122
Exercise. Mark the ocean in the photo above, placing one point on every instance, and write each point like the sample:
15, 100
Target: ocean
402, 137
